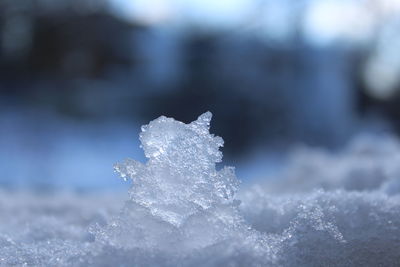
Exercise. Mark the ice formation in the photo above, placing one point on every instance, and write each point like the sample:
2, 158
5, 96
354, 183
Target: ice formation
325, 210
177, 191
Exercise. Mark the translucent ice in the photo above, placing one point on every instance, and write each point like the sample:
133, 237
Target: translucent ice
178, 191
180, 178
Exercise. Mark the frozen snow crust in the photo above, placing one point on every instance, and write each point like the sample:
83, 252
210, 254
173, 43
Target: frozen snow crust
325, 210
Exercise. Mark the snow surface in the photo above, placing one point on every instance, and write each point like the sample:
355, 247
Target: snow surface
326, 209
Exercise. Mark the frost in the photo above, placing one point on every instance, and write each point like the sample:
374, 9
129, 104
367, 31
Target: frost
326, 209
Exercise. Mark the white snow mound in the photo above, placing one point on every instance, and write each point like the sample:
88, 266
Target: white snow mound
182, 211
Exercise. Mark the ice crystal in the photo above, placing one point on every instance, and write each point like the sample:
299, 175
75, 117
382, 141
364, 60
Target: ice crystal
179, 178
177, 191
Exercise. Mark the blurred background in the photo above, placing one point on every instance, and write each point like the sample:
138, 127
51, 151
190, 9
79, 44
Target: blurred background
79, 77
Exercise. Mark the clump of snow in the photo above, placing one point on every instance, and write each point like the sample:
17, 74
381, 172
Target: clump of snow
326, 210
177, 191
180, 178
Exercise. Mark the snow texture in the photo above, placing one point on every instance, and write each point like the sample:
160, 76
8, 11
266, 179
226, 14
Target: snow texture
326, 210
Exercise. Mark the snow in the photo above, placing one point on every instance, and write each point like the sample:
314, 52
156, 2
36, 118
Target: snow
325, 209
369, 163
179, 180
